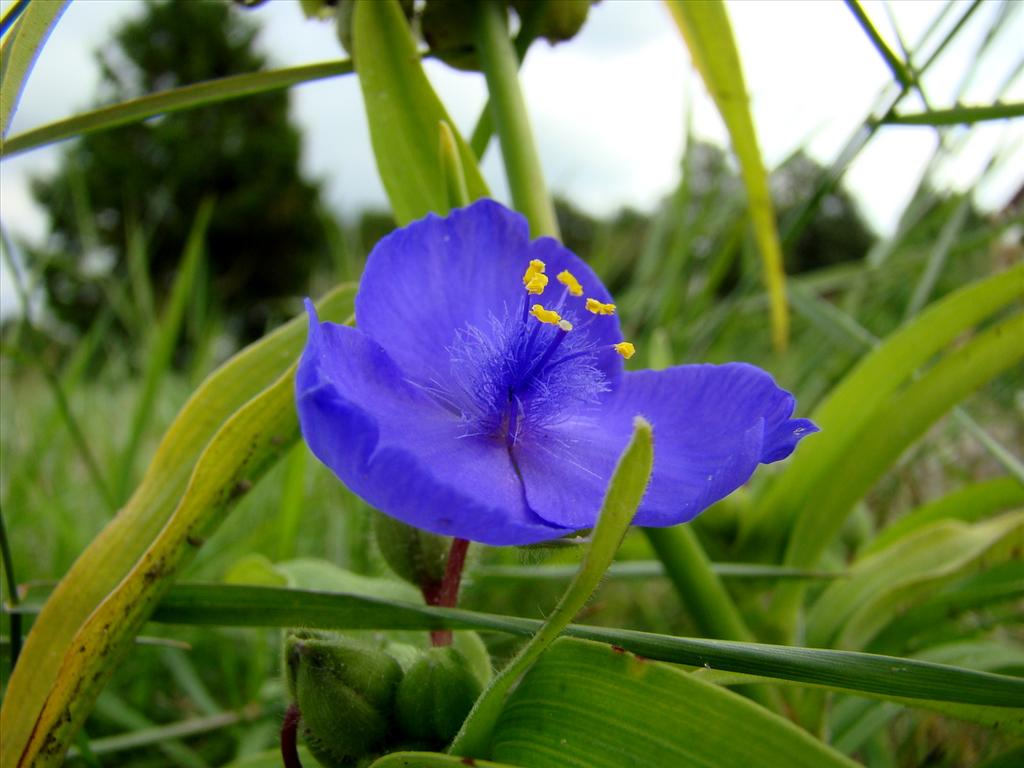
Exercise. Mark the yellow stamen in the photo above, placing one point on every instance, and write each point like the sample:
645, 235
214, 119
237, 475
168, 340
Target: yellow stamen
565, 325
625, 349
595, 306
566, 278
537, 284
535, 267
545, 315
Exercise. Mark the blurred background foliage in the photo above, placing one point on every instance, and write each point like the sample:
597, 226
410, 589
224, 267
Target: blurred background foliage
91, 382
139, 188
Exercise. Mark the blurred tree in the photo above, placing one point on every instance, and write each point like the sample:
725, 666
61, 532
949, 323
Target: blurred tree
835, 233
265, 236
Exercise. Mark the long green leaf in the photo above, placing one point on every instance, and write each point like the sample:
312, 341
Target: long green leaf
625, 490
883, 586
404, 112
248, 443
932, 619
975, 502
848, 671
120, 545
708, 34
843, 414
165, 339
20, 51
590, 706
170, 101
885, 434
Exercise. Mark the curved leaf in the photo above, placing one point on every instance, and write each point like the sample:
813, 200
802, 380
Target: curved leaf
404, 112
975, 502
121, 544
867, 388
587, 705
850, 613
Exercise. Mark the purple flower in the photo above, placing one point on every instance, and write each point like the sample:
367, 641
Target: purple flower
483, 395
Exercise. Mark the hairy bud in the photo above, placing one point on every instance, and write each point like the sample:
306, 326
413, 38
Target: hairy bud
417, 556
345, 690
435, 695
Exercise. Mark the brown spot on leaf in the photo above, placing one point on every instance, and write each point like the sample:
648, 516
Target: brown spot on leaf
241, 488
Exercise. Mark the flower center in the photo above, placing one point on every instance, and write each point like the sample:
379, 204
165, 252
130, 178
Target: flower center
533, 366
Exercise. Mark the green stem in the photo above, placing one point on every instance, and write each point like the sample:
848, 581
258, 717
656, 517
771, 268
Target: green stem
12, 593
702, 592
528, 31
522, 166
700, 589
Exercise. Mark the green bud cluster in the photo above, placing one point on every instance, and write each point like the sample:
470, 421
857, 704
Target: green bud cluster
446, 26
357, 700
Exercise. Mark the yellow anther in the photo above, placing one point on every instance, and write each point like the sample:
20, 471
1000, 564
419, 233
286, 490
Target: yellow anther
595, 306
565, 325
625, 349
537, 284
535, 267
566, 278
545, 315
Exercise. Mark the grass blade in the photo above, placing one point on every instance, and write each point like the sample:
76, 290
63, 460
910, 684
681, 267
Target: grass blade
848, 671
20, 51
708, 34
958, 115
170, 101
892, 61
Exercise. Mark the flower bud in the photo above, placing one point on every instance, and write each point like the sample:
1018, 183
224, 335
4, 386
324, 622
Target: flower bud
435, 696
561, 19
417, 556
447, 29
345, 690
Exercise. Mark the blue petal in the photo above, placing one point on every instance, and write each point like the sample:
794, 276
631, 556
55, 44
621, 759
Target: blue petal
396, 448
436, 276
712, 426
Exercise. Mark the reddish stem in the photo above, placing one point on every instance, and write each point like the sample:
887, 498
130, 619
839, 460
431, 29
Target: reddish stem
290, 737
445, 593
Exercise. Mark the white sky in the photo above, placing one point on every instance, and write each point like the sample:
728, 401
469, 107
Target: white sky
608, 108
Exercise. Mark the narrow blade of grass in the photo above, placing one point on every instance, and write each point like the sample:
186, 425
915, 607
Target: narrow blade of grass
170, 101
